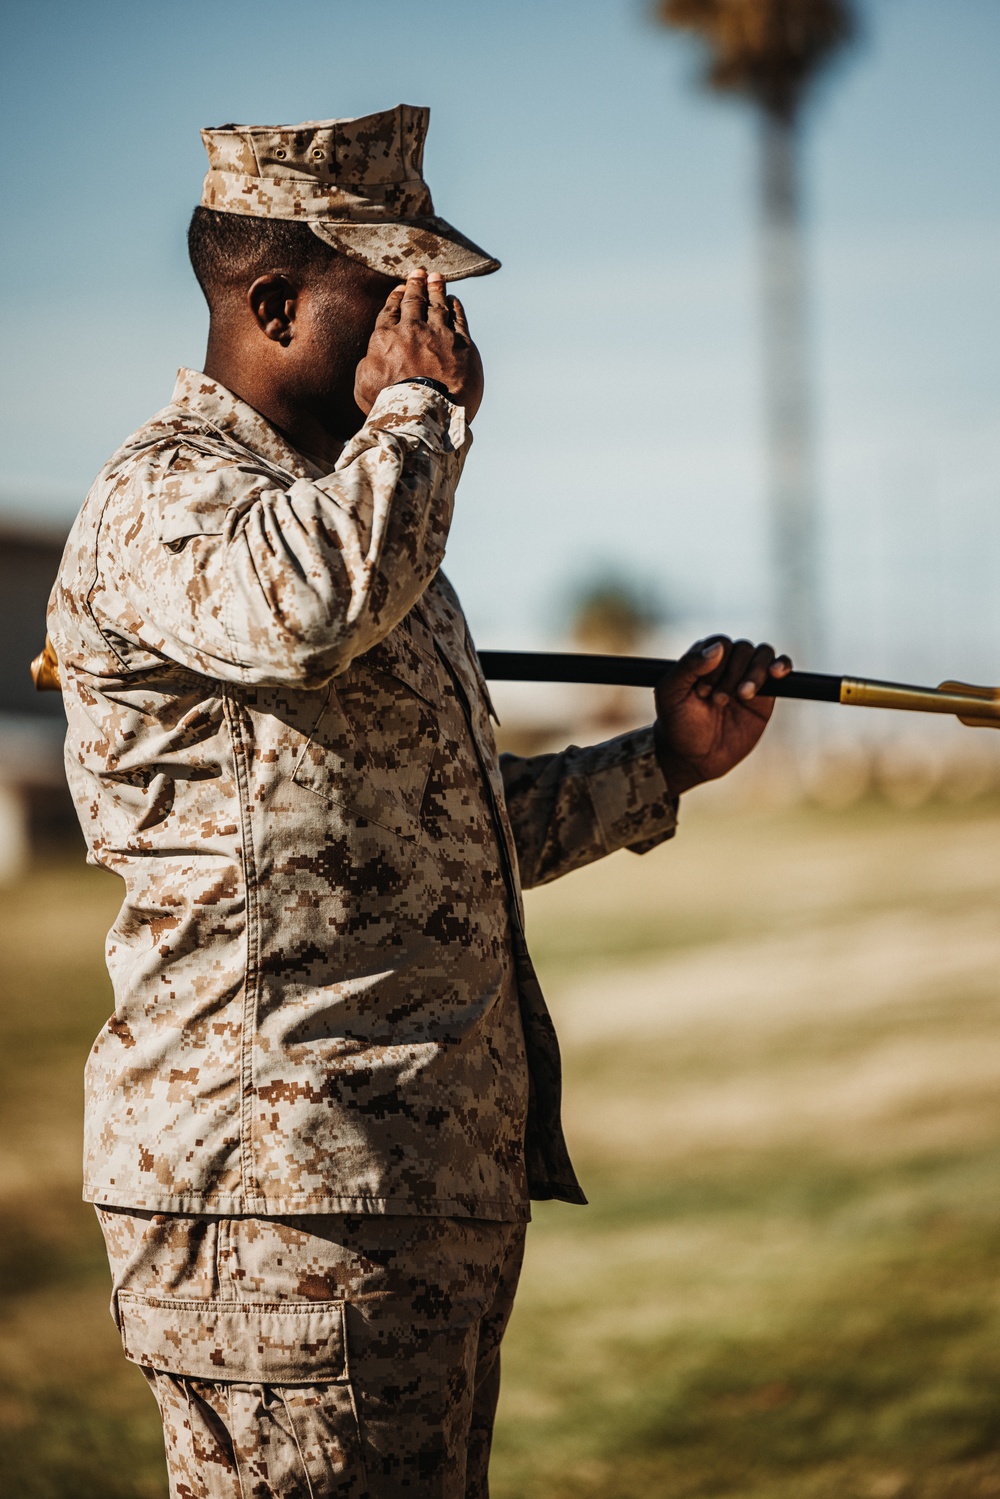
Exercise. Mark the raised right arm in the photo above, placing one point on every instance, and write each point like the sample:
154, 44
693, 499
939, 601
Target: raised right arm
224, 569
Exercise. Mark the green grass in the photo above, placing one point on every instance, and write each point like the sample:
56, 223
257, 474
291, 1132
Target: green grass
76, 1421
764, 1330
782, 1048
788, 1280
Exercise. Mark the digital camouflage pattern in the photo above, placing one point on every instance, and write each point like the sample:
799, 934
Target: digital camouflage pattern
356, 1356
358, 184
279, 736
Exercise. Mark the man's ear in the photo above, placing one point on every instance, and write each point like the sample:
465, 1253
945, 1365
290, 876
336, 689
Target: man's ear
272, 299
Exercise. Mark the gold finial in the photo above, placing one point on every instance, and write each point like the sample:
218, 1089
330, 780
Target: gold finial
45, 670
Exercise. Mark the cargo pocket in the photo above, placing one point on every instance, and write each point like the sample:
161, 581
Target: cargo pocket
254, 1342
261, 1388
297, 1441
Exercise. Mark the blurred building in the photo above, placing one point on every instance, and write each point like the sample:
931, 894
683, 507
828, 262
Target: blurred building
35, 807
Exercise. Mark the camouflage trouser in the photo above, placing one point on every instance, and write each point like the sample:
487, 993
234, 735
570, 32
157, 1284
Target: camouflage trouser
348, 1355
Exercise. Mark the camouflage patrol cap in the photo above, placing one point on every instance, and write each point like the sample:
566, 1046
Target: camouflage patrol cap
358, 184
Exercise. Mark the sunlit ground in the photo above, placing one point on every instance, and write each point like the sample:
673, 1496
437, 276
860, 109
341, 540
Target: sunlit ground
782, 1045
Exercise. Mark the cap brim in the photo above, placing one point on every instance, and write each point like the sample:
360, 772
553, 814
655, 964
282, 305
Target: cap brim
429, 244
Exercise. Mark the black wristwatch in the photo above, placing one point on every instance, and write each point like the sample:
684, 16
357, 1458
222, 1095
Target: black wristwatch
437, 385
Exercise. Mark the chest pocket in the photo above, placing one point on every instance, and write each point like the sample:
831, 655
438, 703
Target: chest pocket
195, 495
371, 750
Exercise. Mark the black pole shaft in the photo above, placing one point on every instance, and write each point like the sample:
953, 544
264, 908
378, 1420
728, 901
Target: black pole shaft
632, 671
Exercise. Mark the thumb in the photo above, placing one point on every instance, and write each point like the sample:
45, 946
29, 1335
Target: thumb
701, 660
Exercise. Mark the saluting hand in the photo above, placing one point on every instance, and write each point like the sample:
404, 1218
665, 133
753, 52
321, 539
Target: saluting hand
421, 331
709, 711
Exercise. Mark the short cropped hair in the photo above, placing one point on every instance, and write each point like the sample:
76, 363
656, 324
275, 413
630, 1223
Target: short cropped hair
230, 250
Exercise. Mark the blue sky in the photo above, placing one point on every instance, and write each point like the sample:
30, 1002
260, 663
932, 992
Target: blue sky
622, 424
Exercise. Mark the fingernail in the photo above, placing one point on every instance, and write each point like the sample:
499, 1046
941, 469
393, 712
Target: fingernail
720, 699
747, 689
710, 650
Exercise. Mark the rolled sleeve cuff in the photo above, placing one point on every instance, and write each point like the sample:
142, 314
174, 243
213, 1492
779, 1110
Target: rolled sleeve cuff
631, 799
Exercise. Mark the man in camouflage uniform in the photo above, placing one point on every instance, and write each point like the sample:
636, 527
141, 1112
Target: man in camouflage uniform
330, 1083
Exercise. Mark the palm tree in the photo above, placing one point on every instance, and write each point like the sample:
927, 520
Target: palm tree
771, 51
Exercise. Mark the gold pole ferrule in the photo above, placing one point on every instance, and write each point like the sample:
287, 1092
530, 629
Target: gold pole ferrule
979, 706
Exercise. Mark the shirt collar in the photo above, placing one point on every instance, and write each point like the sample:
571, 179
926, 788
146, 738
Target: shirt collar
234, 419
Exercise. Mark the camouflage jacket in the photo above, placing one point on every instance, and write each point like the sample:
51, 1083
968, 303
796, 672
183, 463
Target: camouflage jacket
280, 737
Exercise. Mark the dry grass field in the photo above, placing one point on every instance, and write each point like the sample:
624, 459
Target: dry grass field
782, 1046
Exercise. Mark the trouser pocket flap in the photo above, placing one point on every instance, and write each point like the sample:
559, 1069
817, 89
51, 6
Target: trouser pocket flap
251, 1342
